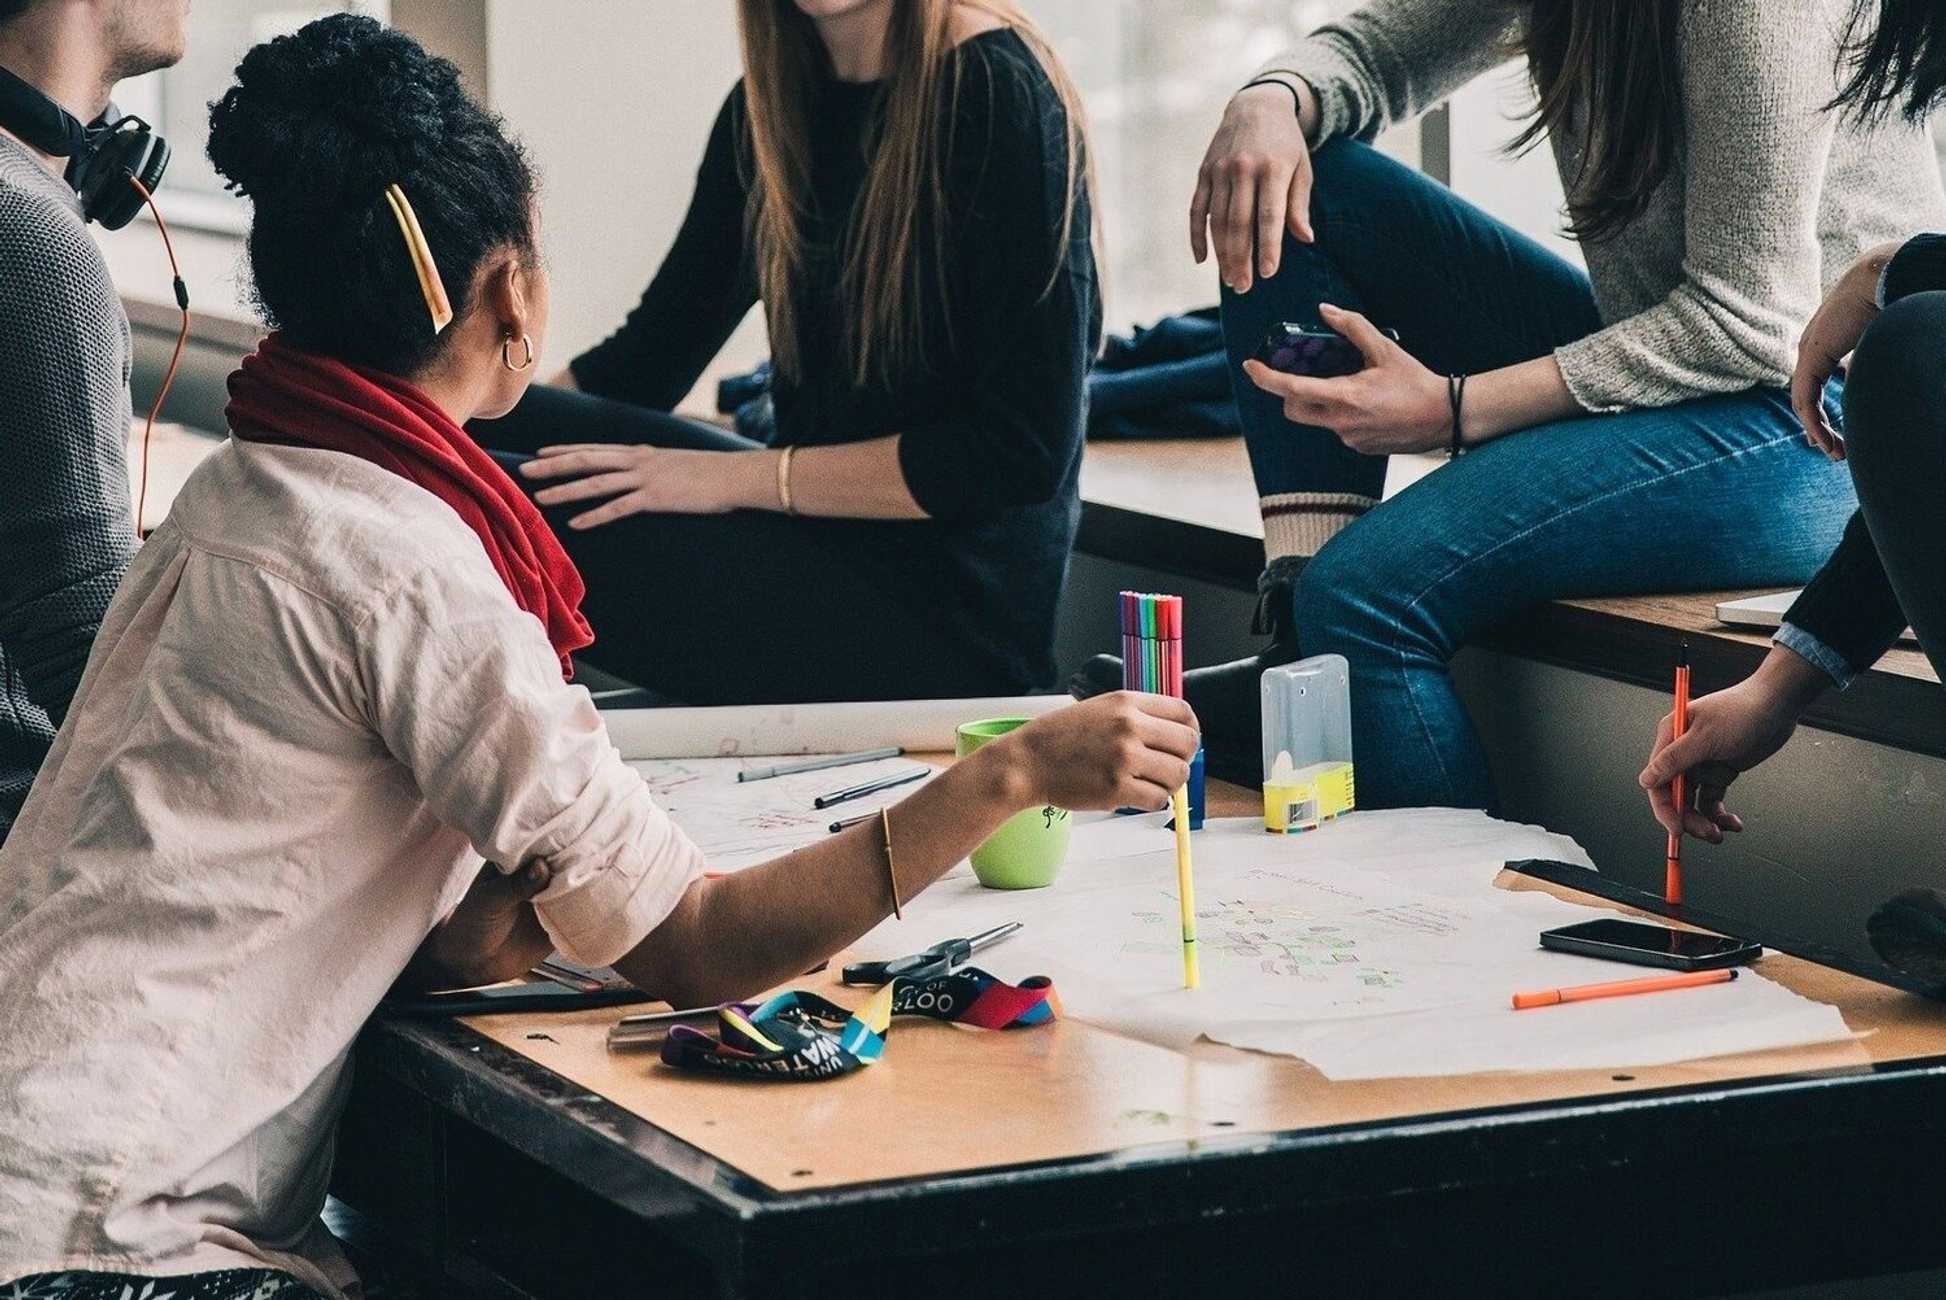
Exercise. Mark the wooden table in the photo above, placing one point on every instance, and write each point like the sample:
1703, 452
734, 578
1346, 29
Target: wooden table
1070, 1159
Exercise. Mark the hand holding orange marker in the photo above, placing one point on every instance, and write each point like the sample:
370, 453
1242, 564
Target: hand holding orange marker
1678, 788
1621, 988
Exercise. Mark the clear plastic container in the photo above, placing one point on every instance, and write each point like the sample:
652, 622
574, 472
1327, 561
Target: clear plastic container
1308, 775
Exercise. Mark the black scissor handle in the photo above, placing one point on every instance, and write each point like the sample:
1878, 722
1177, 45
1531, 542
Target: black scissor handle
919, 965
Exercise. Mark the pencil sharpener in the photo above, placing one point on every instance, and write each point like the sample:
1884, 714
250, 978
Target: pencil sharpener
1308, 773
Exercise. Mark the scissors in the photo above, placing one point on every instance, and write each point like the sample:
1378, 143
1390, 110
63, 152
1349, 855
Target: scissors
936, 960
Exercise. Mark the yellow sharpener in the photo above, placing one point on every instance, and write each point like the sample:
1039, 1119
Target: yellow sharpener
1310, 797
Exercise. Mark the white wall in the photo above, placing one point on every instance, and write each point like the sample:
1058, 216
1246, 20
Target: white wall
1524, 192
615, 102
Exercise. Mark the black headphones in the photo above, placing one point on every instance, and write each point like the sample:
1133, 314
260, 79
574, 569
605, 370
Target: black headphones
103, 157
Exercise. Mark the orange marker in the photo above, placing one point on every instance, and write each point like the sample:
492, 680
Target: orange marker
1621, 988
1679, 788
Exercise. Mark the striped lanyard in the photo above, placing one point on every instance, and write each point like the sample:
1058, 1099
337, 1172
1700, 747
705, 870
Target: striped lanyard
802, 1036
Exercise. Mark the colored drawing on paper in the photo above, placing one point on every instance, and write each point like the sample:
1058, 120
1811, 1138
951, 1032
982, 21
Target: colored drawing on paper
1277, 939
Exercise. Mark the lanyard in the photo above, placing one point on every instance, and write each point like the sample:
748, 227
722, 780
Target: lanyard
802, 1036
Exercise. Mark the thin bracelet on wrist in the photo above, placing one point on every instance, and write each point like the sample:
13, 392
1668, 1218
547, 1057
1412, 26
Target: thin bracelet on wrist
784, 499
1297, 96
1456, 396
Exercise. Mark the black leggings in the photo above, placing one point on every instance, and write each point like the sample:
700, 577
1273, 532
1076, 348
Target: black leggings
743, 608
1895, 439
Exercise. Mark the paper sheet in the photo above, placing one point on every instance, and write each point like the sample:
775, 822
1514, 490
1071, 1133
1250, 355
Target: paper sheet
1375, 947
921, 726
738, 824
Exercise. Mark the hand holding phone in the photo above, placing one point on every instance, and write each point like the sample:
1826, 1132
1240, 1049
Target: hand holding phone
1316, 353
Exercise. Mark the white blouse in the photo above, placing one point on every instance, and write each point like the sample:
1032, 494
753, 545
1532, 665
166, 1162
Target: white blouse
311, 713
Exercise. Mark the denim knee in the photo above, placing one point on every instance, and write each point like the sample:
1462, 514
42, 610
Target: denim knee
1343, 161
1895, 391
1342, 599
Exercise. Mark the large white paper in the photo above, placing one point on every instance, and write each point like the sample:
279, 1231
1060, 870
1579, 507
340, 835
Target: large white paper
921, 726
1374, 947
738, 824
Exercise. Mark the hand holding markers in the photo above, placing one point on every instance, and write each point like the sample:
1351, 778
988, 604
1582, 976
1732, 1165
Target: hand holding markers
1124, 750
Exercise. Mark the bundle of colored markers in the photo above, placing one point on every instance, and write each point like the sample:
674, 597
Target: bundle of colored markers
1152, 662
1152, 643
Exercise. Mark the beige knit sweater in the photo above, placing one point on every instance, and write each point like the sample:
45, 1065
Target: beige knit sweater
1707, 290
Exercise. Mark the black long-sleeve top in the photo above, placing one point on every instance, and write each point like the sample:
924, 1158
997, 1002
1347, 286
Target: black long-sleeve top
1850, 607
991, 431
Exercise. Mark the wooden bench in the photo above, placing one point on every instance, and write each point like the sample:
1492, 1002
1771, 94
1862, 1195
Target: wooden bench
1188, 508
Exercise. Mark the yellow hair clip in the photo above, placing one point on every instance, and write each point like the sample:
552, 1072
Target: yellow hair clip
430, 284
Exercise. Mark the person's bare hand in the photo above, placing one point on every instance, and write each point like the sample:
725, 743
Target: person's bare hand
1729, 733
1254, 183
492, 935
1123, 750
1393, 406
1829, 337
631, 480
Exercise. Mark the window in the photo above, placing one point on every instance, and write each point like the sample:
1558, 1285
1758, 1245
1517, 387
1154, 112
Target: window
1155, 78
176, 100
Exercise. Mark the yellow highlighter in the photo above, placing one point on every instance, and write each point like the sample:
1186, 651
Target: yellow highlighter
1186, 886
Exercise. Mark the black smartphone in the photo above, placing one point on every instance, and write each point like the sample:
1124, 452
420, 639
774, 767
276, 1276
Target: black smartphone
1650, 945
1316, 353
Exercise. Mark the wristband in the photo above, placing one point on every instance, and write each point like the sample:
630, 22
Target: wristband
1456, 395
1297, 98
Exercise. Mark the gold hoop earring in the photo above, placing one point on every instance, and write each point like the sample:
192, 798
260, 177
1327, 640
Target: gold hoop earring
507, 353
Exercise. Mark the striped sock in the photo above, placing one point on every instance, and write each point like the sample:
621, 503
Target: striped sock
1300, 523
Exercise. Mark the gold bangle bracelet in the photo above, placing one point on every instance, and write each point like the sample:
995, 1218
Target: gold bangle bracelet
784, 501
891, 869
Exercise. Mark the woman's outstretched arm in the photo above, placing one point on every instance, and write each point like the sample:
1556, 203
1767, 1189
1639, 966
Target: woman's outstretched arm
736, 936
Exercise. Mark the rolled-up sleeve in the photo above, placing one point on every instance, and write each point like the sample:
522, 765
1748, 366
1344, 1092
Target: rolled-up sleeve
1848, 615
466, 692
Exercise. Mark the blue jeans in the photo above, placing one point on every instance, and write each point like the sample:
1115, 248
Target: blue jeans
1716, 492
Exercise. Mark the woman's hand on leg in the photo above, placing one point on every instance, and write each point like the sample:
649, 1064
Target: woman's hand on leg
1833, 331
651, 480
1255, 182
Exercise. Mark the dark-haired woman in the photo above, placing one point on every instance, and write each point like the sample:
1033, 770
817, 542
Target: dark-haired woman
1887, 314
1625, 430
902, 186
331, 685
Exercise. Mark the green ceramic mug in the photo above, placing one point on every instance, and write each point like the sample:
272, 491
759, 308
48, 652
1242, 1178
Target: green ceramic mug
1029, 848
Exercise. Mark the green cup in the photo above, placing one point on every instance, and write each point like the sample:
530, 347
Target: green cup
1029, 848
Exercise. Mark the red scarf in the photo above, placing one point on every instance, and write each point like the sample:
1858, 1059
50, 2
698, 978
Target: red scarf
300, 399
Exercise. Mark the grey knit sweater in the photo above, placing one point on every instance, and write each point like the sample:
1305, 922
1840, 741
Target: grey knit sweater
65, 526
1706, 291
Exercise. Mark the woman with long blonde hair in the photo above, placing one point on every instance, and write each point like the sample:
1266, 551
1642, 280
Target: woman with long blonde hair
902, 185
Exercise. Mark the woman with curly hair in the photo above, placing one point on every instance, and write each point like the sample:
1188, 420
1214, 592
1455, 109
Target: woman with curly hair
331, 691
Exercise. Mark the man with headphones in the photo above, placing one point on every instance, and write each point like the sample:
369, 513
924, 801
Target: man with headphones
66, 526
